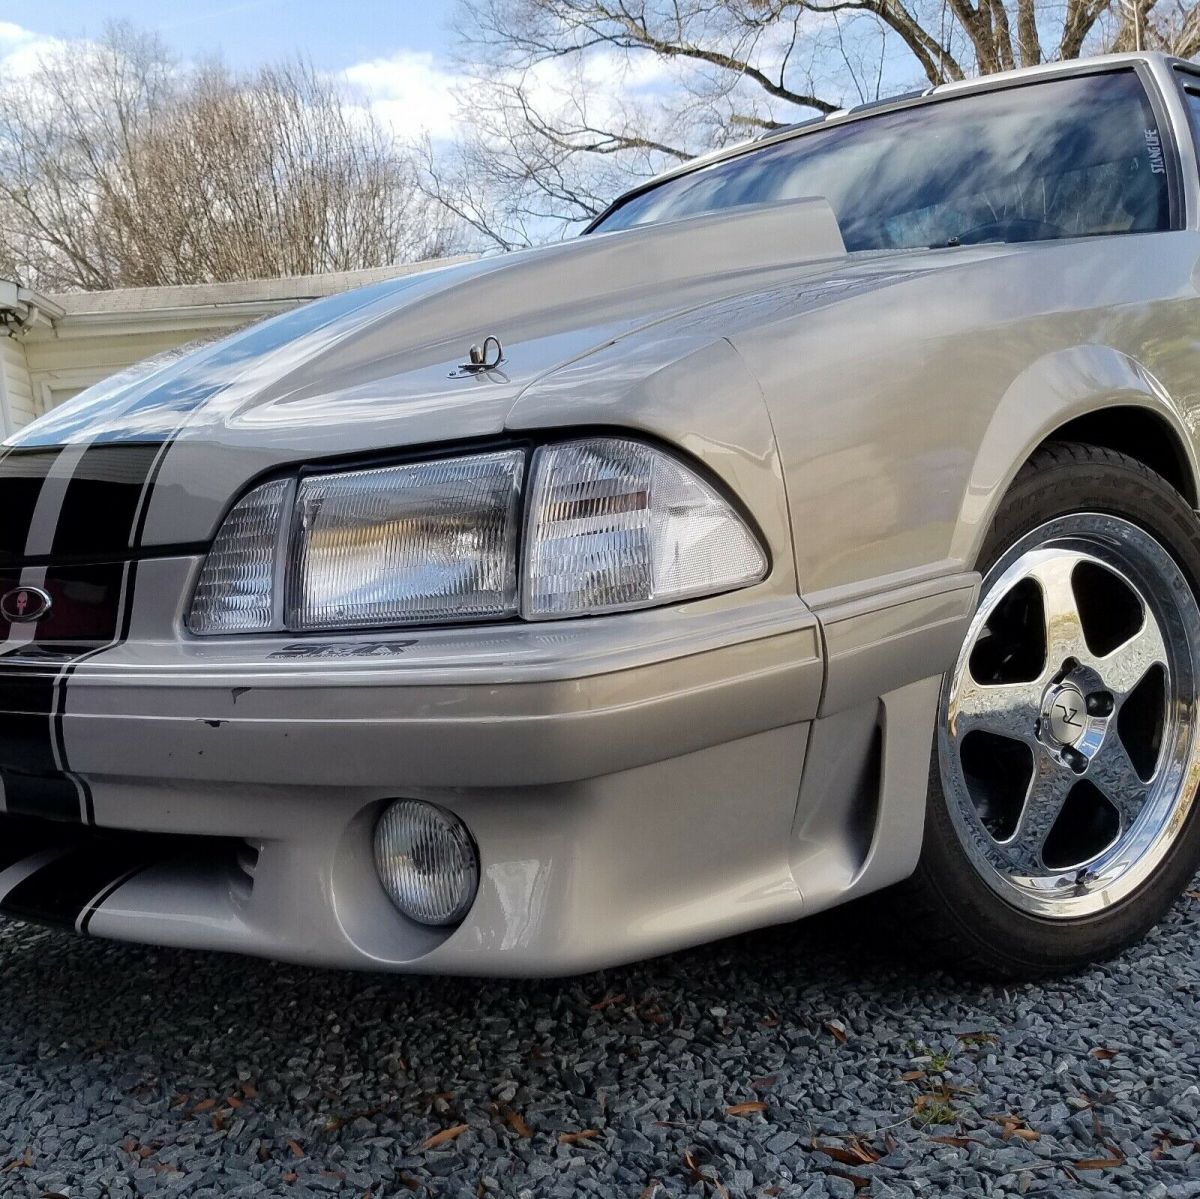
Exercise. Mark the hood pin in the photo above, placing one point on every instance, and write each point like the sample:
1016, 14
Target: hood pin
487, 358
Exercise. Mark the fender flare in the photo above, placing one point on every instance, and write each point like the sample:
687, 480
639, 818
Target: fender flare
1052, 391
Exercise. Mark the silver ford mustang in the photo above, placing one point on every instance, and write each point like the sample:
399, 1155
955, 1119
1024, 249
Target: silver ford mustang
823, 520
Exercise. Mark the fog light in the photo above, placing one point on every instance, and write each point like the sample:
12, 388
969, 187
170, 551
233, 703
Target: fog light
427, 862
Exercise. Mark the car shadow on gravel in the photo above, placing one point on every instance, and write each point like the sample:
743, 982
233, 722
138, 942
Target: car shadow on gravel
767, 968
130, 1067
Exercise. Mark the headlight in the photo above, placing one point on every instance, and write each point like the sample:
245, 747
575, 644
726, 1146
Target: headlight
611, 524
430, 541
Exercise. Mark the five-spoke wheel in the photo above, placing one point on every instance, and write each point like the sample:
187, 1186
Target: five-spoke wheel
1062, 820
1066, 719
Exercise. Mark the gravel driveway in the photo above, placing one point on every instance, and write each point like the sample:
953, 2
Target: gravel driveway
796, 1062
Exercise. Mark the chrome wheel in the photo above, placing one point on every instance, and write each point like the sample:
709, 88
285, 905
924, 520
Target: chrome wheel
1067, 732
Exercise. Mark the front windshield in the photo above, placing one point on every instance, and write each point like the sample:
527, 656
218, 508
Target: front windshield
1065, 158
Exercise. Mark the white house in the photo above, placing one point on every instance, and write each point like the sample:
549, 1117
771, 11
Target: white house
53, 346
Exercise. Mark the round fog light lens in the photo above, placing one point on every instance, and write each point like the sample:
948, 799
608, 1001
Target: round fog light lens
427, 862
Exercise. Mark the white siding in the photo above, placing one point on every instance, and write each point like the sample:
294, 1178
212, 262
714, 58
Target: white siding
16, 390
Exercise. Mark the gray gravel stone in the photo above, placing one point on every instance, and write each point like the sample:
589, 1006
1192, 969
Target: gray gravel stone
127, 1071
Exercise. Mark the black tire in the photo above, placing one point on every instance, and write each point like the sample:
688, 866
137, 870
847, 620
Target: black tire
969, 925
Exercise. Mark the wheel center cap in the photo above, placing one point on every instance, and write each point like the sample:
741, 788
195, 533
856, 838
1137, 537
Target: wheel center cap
1065, 714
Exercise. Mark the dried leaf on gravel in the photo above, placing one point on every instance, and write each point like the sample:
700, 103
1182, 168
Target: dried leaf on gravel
1015, 1126
573, 1138
746, 1109
296, 1148
1163, 1140
444, 1137
1103, 1053
858, 1154
205, 1105
977, 1038
695, 1174
1099, 1163
516, 1122
957, 1142
861, 1181
608, 1001
24, 1162
912, 1075
837, 1030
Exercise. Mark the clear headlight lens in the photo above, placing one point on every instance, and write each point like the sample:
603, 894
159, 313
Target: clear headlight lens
610, 524
428, 541
235, 592
616, 524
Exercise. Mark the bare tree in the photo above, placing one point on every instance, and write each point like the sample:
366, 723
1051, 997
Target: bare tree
119, 167
539, 154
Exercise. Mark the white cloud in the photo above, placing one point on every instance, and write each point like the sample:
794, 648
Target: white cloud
413, 93
21, 49
410, 92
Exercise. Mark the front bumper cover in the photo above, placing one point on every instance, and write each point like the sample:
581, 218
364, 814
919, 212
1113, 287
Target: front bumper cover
633, 784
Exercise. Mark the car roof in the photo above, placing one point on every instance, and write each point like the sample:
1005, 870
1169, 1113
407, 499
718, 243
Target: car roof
930, 95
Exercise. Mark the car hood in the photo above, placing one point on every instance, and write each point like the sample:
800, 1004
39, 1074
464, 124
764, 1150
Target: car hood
380, 366
586, 328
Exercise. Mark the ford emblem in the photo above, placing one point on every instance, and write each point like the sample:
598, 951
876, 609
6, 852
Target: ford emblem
22, 605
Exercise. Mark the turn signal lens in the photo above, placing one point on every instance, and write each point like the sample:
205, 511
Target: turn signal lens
235, 592
616, 524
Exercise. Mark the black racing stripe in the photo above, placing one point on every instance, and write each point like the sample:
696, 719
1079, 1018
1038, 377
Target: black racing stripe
103, 498
21, 479
31, 774
151, 465
85, 604
60, 891
20, 839
98, 902
53, 796
120, 630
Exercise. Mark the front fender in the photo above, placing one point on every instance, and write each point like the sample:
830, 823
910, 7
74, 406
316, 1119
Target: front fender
1052, 391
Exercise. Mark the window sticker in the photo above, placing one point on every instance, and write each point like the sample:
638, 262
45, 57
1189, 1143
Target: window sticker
1154, 151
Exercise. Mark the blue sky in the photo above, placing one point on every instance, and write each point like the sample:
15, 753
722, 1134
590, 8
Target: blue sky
391, 52
395, 55
245, 32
